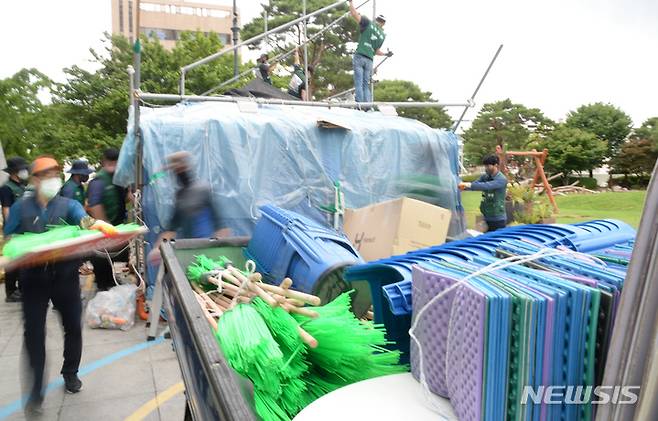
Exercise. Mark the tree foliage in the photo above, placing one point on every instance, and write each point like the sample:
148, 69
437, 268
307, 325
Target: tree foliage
330, 53
648, 131
636, 157
89, 111
606, 121
403, 90
571, 149
502, 123
21, 111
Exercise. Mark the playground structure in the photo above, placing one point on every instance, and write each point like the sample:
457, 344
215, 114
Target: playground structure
539, 159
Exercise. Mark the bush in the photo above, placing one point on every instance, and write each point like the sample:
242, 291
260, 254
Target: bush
632, 182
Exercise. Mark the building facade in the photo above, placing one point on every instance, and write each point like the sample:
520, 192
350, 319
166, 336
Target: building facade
166, 19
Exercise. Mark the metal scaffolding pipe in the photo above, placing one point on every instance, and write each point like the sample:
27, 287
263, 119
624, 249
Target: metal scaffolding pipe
308, 96
147, 96
471, 101
285, 55
220, 53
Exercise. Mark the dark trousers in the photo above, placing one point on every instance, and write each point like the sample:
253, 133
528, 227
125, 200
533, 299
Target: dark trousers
103, 270
495, 225
11, 282
59, 283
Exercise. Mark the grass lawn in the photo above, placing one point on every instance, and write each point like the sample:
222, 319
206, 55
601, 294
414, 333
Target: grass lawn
625, 206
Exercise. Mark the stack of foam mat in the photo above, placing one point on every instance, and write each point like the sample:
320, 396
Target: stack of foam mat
543, 322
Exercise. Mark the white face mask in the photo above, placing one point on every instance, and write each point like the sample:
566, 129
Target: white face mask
50, 187
23, 175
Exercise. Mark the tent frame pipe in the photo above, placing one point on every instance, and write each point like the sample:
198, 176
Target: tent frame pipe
147, 96
251, 40
472, 99
285, 55
306, 72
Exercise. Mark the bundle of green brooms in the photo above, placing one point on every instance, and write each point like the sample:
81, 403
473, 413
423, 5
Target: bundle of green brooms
291, 348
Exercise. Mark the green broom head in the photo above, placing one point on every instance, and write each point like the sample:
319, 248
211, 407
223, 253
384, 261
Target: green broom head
21, 244
268, 409
349, 350
202, 265
250, 348
283, 328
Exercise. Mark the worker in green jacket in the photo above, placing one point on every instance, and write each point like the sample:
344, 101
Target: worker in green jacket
74, 188
107, 201
371, 38
493, 185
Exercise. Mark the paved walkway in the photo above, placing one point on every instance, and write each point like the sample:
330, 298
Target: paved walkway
120, 371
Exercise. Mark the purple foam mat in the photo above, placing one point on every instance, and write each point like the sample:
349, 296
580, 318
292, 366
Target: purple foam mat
465, 353
432, 330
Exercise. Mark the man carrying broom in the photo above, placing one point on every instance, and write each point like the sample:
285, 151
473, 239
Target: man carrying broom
56, 281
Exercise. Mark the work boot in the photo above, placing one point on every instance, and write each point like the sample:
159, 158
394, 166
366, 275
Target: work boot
33, 408
72, 383
15, 297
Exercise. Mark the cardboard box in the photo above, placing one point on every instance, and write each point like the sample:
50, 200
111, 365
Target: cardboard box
395, 227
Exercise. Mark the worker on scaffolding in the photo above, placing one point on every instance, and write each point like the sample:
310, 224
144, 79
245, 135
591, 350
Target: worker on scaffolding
370, 41
297, 86
195, 214
493, 185
54, 281
265, 68
11, 192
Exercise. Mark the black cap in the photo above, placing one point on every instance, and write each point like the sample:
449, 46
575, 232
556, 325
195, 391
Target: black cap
15, 164
111, 154
80, 167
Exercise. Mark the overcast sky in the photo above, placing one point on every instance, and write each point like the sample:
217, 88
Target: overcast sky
558, 54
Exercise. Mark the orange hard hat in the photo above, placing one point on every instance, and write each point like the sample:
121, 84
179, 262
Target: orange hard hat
43, 163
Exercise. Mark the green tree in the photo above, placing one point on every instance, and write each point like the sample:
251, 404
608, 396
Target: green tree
403, 90
329, 53
570, 149
504, 124
636, 157
648, 131
90, 110
606, 121
20, 111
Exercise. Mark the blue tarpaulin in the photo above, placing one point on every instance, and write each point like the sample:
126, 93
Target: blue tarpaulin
279, 155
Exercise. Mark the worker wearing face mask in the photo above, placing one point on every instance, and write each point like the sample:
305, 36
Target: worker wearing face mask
54, 281
195, 213
74, 186
10, 192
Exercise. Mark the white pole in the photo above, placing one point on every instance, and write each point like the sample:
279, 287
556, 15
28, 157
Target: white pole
306, 73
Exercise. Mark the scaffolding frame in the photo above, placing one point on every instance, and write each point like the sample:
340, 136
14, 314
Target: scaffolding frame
137, 97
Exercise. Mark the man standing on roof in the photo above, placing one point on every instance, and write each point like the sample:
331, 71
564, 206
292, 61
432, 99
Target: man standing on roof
58, 282
9, 193
371, 39
265, 69
107, 202
73, 188
297, 86
195, 213
493, 185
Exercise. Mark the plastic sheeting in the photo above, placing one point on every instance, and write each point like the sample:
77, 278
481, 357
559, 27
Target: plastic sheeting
278, 155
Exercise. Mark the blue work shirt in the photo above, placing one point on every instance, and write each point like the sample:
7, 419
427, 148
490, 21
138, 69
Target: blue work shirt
72, 215
195, 213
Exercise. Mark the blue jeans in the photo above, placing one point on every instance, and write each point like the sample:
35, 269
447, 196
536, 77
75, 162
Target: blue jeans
362, 75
